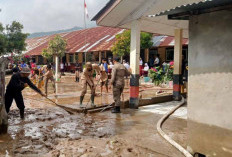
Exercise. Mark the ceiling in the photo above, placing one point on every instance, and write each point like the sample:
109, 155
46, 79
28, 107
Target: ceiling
121, 13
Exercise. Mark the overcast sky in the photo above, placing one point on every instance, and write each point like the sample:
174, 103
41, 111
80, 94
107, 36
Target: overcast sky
48, 15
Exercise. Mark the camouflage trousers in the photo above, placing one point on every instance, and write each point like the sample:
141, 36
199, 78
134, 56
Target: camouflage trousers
84, 85
117, 92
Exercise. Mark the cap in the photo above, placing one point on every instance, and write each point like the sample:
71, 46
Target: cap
117, 58
25, 70
88, 65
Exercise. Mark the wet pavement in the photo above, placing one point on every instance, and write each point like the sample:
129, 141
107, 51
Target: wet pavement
50, 131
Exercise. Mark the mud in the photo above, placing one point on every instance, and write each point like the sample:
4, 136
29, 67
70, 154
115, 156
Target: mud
43, 129
55, 133
135, 135
50, 131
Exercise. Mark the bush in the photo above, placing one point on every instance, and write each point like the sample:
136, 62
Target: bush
161, 75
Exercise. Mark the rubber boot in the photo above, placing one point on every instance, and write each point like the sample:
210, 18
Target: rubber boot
92, 101
22, 113
77, 79
116, 109
81, 100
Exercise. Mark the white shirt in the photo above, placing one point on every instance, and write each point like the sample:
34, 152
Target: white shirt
157, 60
141, 62
111, 65
61, 66
146, 68
127, 65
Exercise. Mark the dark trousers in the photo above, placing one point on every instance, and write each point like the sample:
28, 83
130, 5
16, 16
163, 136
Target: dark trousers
17, 96
77, 79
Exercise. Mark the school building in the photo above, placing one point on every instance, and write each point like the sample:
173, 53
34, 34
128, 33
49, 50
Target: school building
97, 43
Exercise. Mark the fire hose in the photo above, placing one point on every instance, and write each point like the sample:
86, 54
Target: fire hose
165, 136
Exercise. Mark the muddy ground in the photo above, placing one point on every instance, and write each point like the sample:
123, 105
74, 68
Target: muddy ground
50, 131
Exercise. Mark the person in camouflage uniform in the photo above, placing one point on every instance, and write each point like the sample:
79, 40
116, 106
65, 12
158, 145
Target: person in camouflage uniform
119, 72
87, 79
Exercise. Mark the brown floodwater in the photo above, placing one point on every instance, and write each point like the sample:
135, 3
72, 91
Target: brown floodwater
53, 131
48, 130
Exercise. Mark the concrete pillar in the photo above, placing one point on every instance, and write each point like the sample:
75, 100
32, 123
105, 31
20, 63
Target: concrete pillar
177, 65
80, 57
74, 58
37, 59
134, 64
100, 57
105, 54
146, 55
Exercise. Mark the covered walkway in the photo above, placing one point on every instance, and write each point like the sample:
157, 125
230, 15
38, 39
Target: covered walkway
202, 21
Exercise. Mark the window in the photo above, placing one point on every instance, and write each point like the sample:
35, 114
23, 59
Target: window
76, 57
40, 60
71, 58
169, 54
153, 52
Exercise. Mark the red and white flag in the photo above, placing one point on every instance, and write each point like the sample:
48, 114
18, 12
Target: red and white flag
86, 11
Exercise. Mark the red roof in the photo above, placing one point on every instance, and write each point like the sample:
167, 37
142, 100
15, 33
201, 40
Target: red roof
166, 41
90, 40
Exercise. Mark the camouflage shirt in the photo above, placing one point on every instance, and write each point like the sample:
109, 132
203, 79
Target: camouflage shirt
88, 75
119, 71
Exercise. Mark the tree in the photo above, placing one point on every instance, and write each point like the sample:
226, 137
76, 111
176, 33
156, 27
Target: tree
56, 47
122, 45
47, 55
12, 39
15, 38
3, 40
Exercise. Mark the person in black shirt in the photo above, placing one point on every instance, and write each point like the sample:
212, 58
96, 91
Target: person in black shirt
14, 89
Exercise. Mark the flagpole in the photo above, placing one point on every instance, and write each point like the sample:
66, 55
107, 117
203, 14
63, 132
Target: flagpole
85, 33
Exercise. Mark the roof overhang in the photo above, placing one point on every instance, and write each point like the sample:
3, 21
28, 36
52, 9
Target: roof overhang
121, 13
183, 12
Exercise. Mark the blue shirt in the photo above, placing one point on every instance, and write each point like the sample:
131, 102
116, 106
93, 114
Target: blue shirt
106, 67
23, 65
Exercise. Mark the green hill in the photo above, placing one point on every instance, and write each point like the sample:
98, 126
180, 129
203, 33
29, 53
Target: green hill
40, 34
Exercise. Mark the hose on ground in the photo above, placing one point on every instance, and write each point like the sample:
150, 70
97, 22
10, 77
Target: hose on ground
165, 136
